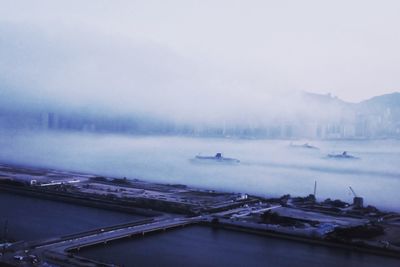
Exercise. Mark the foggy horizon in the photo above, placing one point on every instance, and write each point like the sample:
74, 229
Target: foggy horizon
192, 63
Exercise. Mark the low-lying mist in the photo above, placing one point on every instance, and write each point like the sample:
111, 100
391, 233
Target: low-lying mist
268, 168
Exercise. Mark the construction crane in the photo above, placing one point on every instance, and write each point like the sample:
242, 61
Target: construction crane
354, 193
358, 202
315, 189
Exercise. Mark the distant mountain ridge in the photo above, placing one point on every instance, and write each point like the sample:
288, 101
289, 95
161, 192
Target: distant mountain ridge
388, 100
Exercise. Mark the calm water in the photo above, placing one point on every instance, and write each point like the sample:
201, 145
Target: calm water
32, 218
268, 167
200, 246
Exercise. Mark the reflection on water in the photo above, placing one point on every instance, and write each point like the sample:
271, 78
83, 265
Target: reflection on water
267, 167
201, 246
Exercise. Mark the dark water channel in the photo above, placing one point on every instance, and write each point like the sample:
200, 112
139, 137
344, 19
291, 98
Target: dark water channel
32, 218
202, 246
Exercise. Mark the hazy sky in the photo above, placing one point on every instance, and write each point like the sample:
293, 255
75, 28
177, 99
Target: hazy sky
185, 56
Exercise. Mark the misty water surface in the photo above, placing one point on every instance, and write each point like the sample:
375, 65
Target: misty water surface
268, 167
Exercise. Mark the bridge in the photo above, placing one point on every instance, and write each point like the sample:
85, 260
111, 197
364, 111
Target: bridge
56, 250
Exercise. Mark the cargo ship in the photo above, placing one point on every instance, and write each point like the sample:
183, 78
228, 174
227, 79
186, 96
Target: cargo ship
344, 155
217, 158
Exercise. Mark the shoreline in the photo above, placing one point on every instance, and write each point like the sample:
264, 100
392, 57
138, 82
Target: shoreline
344, 246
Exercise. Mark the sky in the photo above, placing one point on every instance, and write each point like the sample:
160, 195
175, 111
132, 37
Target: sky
190, 57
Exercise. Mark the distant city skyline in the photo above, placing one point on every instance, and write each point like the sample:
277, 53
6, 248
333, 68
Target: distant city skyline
323, 117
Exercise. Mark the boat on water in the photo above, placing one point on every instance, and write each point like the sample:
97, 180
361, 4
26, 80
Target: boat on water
343, 155
305, 145
217, 158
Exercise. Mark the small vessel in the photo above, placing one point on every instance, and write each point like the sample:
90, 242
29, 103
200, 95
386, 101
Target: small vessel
344, 155
217, 158
305, 145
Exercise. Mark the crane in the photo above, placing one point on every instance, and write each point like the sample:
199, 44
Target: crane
315, 188
358, 202
354, 193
